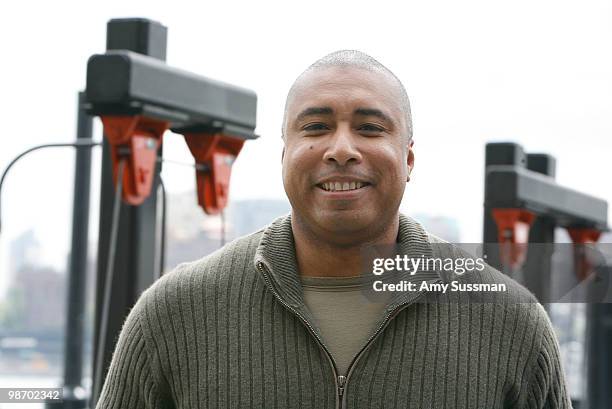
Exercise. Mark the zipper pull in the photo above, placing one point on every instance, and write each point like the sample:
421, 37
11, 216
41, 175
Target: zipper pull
341, 382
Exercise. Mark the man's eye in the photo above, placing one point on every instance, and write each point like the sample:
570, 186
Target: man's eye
318, 126
371, 128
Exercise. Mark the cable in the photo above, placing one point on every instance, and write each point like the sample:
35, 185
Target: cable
162, 246
110, 269
79, 143
222, 228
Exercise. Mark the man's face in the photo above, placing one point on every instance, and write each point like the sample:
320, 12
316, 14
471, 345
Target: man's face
347, 155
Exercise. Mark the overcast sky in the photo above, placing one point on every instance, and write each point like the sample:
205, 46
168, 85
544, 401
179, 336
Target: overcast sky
533, 72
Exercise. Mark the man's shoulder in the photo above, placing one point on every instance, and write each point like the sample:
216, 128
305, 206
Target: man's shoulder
217, 268
515, 305
233, 254
482, 273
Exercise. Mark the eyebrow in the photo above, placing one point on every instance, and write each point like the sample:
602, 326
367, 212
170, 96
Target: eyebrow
373, 112
314, 111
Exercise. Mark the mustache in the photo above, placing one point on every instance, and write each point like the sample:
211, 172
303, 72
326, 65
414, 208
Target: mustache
337, 174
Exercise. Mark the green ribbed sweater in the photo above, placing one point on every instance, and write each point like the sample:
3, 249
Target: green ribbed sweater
231, 331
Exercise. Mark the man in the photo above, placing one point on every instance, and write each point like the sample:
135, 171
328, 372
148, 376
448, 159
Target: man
277, 319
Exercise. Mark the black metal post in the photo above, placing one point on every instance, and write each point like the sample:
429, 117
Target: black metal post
77, 275
135, 266
538, 264
599, 354
497, 154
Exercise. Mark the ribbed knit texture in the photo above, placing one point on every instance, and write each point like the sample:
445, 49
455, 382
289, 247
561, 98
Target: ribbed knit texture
224, 332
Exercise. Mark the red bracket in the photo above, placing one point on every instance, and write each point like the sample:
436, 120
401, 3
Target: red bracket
214, 153
513, 234
135, 138
581, 236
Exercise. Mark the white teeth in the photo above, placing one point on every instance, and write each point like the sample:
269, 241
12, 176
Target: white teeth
341, 186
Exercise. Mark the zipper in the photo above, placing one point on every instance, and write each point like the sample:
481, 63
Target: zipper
338, 380
367, 345
341, 383
341, 380
374, 335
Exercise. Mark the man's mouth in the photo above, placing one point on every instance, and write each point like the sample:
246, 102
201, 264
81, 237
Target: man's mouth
342, 186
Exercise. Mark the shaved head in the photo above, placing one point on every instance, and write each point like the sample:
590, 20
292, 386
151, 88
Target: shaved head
357, 60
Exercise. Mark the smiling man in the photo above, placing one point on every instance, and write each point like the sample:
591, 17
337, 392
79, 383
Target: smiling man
347, 157
278, 319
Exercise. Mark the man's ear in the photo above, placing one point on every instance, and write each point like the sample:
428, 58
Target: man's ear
410, 158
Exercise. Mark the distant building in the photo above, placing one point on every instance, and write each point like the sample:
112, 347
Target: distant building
23, 251
183, 250
41, 298
248, 216
191, 234
188, 230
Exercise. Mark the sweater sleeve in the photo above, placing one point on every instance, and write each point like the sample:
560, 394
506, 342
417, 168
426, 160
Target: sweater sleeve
546, 387
130, 382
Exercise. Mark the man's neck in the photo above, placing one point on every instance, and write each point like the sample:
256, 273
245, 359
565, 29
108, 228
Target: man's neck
321, 257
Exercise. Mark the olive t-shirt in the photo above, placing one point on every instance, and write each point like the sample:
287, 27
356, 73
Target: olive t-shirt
343, 313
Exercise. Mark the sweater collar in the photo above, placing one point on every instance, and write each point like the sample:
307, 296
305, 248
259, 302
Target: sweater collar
276, 252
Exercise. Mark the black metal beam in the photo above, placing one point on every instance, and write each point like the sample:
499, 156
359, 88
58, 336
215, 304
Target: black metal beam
514, 179
516, 187
126, 83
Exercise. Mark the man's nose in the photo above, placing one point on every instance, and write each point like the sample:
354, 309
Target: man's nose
342, 148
